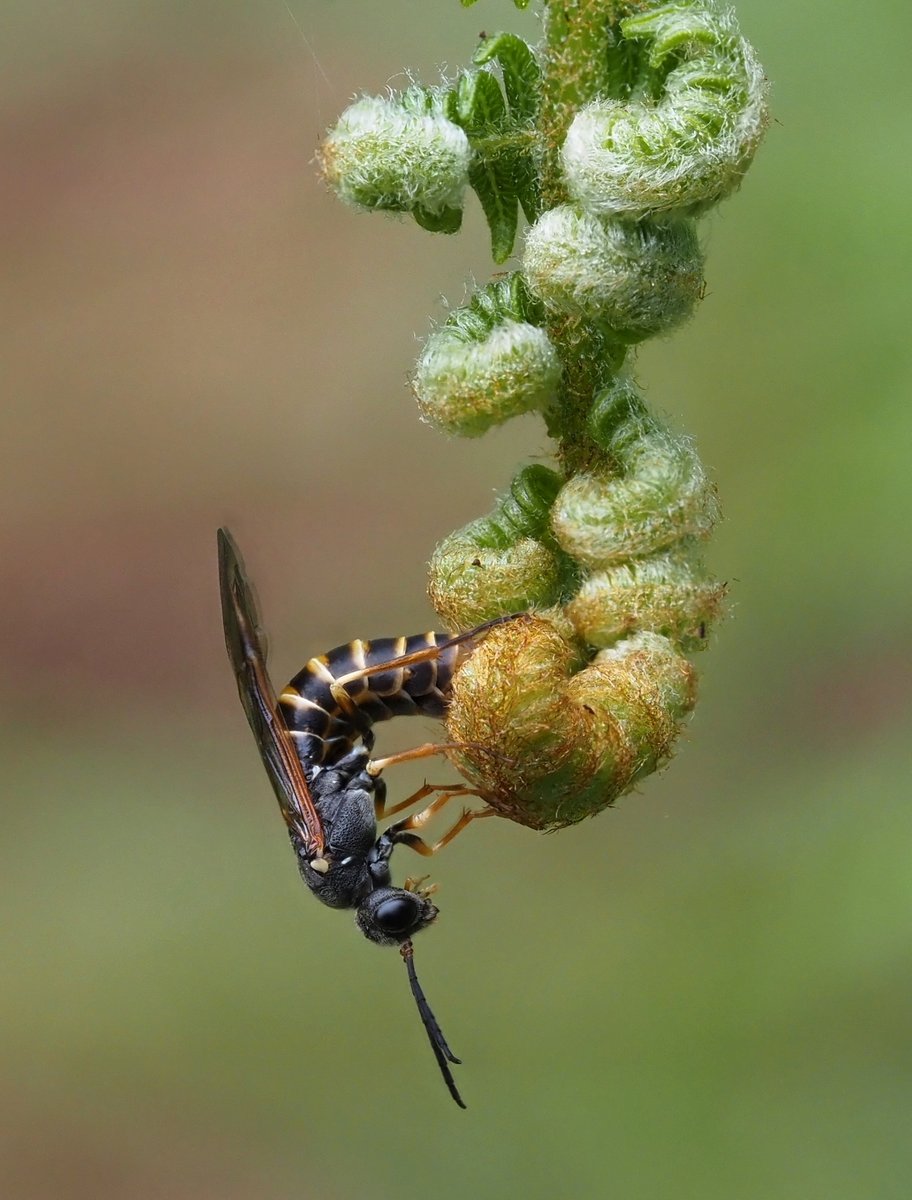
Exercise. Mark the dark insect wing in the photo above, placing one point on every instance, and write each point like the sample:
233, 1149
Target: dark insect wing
244, 640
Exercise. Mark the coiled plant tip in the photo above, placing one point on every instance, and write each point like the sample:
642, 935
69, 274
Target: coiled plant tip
628, 121
637, 278
490, 361
682, 132
551, 738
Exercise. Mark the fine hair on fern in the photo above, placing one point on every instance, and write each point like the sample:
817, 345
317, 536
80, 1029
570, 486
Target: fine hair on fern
611, 137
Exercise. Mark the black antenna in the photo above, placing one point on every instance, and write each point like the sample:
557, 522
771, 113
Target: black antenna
442, 1052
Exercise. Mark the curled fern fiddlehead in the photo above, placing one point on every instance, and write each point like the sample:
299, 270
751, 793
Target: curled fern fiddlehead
490, 361
683, 129
401, 154
628, 121
638, 278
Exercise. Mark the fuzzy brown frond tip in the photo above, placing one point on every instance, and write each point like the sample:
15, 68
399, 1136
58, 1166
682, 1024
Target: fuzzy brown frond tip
549, 747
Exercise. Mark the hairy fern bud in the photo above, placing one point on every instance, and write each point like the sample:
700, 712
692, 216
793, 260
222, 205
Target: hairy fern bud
639, 278
551, 743
610, 136
466, 387
400, 154
505, 562
660, 497
670, 594
688, 137
469, 583
490, 361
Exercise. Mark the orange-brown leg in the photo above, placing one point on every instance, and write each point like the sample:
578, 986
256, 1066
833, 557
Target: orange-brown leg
420, 885
401, 832
447, 790
343, 699
376, 765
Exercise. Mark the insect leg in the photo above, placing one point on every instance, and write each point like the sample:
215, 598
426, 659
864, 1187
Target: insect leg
381, 811
428, 789
392, 664
376, 765
401, 833
417, 820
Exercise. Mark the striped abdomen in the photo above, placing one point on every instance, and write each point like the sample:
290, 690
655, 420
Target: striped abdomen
324, 729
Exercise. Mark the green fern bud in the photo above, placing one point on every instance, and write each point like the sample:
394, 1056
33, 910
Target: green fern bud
670, 594
401, 154
650, 493
662, 497
505, 562
465, 387
638, 278
490, 361
469, 583
687, 139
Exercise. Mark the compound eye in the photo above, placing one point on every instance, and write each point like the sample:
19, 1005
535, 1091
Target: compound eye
396, 915
389, 916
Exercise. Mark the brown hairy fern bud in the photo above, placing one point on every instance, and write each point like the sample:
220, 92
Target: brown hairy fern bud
547, 746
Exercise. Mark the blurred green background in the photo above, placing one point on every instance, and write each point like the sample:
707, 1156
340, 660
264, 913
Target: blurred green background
705, 993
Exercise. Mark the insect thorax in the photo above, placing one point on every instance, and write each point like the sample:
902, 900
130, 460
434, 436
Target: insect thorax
344, 797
